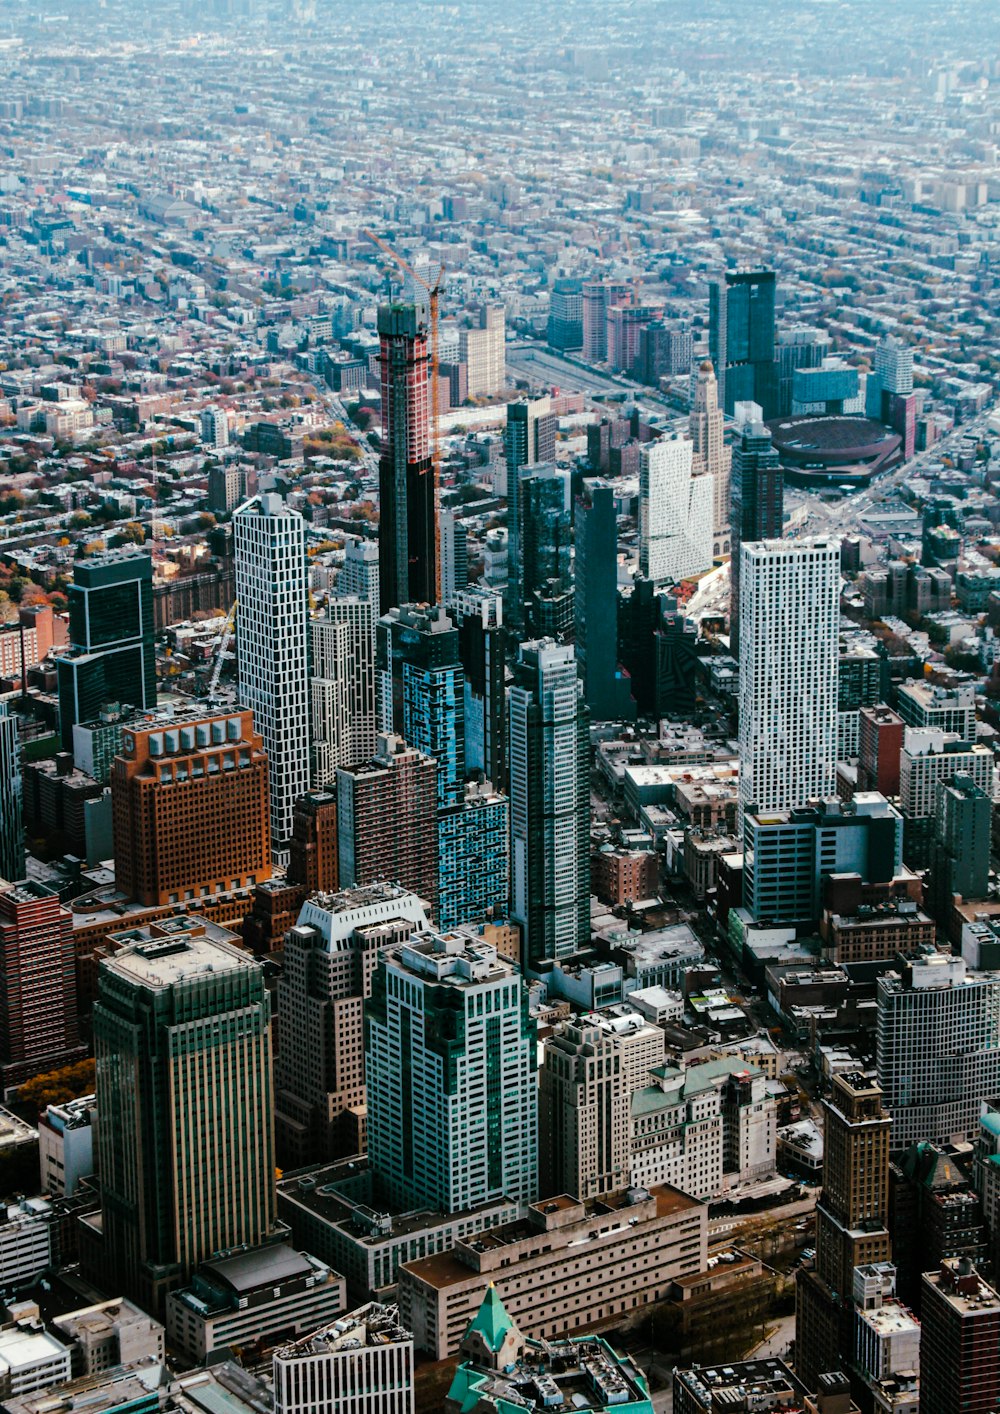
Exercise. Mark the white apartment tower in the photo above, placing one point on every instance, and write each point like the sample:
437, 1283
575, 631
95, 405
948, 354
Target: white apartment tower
789, 617
710, 452
272, 647
342, 688
359, 575
676, 509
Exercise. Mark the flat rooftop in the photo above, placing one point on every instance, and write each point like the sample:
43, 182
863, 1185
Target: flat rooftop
163, 962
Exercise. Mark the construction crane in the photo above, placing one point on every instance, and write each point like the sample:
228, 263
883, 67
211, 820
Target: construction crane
224, 640
433, 293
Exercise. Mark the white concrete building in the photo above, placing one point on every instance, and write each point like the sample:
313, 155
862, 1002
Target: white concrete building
362, 1364
676, 512
789, 619
342, 688
359, 574
214, 428
930, 755
30, 1360
272, 647
25, 1242
66, 1145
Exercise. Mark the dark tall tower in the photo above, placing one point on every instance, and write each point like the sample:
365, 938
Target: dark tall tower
757, 510
529, 438
741, 339
606, 687
482, 647
407, 501
546, 539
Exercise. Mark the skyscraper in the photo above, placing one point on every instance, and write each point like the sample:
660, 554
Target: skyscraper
757, 511
546, 547
483, 350
359, 574
272, 647
313, 863
189, 804
584, 1099
565, 327
113, 656
598, 297
789, 619
675, 512
550, 803
408, 569
38, 1025
851, 1224
741, 338
606, 686
454, 555
959, 1341
387, 819
330, 956
529, 438
11, 799
960, 853
182, 1036
451, 1072
422, 690
342, 687
482, 641
710, 452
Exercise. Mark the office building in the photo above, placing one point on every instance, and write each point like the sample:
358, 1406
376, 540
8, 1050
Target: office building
851, 1224
938, 1047
934, 1213
454, 555
361, 1364
387, 820
110, 1334
675, 512
11, 799
28, 1243
549, 803
190, 807
928, 757
789, 620
529, 438
408, 569
342, 687
38, 1004
942, 709
250, 1297
583, 1113
329, 958
359, 574
483, 350
182, 1037
741, 339
451, 1072
313, 863
960, 852
798, 347
625, 325
598, 297
482, 641
606, 686
757, 510
499, 1363
959, 1341
473, 857
113, 652
880, 743
421, 690
789, 853
66, 1146
547, 548
711, 452
565, 326
564, 1266
30, 1360
272, 648
889, 396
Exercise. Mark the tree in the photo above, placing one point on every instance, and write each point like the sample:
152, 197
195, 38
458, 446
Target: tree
55, 1087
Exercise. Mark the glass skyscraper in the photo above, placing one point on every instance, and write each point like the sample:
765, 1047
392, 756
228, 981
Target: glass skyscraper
741, 339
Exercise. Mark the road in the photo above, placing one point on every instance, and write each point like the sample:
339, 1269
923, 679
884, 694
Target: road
571, 376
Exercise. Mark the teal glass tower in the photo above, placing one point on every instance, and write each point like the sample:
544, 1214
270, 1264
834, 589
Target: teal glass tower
182, 1038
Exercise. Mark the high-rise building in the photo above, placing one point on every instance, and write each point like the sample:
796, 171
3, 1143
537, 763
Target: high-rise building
451, 1073
454, 555
11, 799
960, 853
584, 1100
408, 569
880, 743
359, 574
313, 864
113, 656
473, 857
229, 484
272, 647
798, 347
38, 1010
189, 804
329, 958
182, 1036
483, 350
546, 545
789, 620
959, 1341
598, 297
928, 757
943, 709
889, 391
741, 339
565, 327
214, 428
549, 803
482, 641
710, 452
421, 689
757, 510
938, 1047
387, 820
606, 686
625, 325
342, 687
529, 438
675, 512
851, 1229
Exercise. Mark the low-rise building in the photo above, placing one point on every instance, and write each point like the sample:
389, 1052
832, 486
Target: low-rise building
565, 1266
361, 1364
26, 1234
763, 1385
66, 1145
110, 1334
250, 1296
30, 1360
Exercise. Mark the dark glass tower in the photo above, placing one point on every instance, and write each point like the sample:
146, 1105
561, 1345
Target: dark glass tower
111, 633
421, 689
606, 687
757, 488
547, 541
741, 339
407, 501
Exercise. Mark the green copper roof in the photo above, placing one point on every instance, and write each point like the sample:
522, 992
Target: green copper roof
491, 1320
